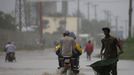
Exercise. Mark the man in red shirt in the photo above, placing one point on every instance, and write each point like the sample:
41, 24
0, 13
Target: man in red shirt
89, 49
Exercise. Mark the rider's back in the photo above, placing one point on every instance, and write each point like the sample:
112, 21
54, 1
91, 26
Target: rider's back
10, 48
68, 44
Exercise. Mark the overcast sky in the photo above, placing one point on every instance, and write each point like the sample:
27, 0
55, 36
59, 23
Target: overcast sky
117, 7
7, 5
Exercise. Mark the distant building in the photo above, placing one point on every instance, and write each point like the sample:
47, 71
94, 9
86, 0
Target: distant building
53, 23
49, 10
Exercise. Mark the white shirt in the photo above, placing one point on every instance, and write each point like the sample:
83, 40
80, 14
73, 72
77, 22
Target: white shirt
10, 48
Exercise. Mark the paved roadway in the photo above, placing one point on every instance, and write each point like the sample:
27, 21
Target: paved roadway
40, 62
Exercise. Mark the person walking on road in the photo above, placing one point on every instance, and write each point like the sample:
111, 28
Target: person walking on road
109, 48
89, 49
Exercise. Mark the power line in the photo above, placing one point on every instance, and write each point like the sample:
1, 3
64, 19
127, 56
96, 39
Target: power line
88, 10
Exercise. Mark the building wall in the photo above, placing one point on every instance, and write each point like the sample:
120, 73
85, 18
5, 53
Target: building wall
71, 24
52, 25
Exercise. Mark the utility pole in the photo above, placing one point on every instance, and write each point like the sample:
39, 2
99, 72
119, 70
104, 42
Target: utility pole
108, 17
116, 25
130, 18
126, 27
95, 12
27, 11
20, 14
65, 11
78, 16
88, 10
64, 7
41, 22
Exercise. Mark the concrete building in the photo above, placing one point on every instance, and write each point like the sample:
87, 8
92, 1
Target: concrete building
54, 24
49, 10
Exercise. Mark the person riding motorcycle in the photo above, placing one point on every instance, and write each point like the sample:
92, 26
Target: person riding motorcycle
67, 44
10, 49
75, 53
58, 53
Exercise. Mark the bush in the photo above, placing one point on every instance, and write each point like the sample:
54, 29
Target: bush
128, 49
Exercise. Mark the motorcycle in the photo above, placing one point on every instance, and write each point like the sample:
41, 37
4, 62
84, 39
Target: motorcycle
68, 66
10, 57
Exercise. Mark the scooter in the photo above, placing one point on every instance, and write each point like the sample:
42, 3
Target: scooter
10, 57
68, 67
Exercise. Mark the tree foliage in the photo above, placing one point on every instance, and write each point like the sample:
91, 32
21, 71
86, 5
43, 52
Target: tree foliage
92, 27
7, 21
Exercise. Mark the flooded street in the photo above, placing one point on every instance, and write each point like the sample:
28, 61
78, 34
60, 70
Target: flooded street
66, 24
40, 62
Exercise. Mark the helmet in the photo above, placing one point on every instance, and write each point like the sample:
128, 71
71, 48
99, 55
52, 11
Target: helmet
9, 42
66, 33
72, 34
106, 29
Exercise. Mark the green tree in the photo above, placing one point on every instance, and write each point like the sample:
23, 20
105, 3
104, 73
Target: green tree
93, 27
7, 21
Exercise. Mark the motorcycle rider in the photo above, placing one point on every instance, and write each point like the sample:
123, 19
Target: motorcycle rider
58, 53
65, 48
77, 52
10, 48
67, 44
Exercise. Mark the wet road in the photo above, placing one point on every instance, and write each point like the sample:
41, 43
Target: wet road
40, 62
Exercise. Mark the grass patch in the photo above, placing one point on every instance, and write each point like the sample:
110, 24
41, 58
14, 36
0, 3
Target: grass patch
128, 49
1, 49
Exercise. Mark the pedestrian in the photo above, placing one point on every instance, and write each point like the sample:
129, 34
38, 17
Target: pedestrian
109, 48
89, 49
